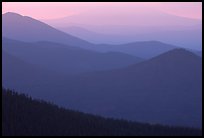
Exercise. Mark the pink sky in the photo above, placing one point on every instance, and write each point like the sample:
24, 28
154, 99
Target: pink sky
53, 10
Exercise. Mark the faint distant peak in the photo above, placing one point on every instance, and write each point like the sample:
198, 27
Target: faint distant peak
151, 42
155, 42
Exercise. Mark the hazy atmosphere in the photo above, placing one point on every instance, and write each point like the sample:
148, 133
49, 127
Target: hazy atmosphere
102, 68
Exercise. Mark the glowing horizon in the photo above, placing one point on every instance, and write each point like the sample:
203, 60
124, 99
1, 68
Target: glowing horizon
54, 10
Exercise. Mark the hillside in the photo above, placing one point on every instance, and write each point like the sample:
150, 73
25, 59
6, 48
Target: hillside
161, 90
24, 28
17, 72
66, 59
45, 119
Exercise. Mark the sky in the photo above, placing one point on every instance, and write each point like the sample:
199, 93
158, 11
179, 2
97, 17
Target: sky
55, 10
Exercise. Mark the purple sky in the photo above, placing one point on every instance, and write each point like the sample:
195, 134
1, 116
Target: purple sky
53, 10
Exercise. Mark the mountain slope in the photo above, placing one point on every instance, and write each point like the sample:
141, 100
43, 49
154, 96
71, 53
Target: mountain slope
144, 49
23, 116
187, 38
66, 59
25, 28
150, 89
18, 73
199, 53
166, 89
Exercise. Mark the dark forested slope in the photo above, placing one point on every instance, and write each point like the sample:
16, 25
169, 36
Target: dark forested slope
24, 116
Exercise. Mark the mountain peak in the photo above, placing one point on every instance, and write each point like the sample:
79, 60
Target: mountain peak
172, 58
25, 28
176, 57
178, 52
12, 14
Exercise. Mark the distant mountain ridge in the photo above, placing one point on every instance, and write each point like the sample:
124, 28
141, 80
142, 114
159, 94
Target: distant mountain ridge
23, 28
66, 59
166, 88
147, 89
187, 38
144, 49
162, 90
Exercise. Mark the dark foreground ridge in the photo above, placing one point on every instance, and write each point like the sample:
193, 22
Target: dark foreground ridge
23, 115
